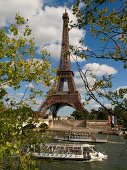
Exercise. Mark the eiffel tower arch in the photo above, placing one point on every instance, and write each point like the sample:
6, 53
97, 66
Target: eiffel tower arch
59, 97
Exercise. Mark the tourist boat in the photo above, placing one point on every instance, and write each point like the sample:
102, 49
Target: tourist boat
79, 152
81, 138
86, 138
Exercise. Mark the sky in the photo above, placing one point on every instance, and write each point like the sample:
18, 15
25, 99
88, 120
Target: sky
45, 19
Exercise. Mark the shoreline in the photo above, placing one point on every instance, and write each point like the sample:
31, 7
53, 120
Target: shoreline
82, 130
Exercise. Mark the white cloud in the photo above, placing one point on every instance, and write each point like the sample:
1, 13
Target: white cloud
97, 70
79, 85
94, 68
8, 9
54, 50
46, 23
100, 70
94, 105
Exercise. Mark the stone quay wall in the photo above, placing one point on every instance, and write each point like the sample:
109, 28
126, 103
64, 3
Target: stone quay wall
79, 125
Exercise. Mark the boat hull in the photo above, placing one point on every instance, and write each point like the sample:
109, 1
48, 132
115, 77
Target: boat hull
61, 157
92, 141
82, 139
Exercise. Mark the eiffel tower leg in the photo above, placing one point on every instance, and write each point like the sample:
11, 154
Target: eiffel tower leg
71, 85
61, 85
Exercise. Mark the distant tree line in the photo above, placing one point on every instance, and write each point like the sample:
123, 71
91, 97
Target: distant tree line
100, 114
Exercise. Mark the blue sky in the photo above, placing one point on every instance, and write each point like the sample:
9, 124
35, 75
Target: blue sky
45, 19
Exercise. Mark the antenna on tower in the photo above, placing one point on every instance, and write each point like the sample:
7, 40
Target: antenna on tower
65, 6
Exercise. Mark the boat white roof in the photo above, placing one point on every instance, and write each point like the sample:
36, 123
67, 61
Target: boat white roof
68, 145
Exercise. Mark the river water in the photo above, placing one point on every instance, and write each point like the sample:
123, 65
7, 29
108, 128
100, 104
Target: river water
117, 158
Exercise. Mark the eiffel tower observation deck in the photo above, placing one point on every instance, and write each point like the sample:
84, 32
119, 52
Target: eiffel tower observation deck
60, 97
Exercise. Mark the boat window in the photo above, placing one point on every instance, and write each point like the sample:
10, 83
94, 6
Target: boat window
87, 149
94, 148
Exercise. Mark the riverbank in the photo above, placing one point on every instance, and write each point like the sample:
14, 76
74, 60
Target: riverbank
76, 130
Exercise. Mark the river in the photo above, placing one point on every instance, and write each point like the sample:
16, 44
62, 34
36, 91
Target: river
117, 160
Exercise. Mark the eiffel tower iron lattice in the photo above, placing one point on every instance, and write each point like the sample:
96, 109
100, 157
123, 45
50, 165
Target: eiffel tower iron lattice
59, 98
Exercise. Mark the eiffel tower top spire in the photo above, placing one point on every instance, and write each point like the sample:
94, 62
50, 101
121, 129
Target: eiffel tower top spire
65, 56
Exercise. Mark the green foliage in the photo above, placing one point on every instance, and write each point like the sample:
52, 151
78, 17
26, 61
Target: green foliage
102, 114
18, 64
17, 48
102, 88
120, 111
18, 61
107, 22
93, 115
80, 115
16, 136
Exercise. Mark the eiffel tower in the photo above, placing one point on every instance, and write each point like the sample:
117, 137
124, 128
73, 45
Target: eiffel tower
60, 98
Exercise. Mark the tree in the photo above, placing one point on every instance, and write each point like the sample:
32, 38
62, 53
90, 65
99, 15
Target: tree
19, 64
93, 114
102, 114
80, 115
120, 111
106, 20
18, 58
100, 89
107, 24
